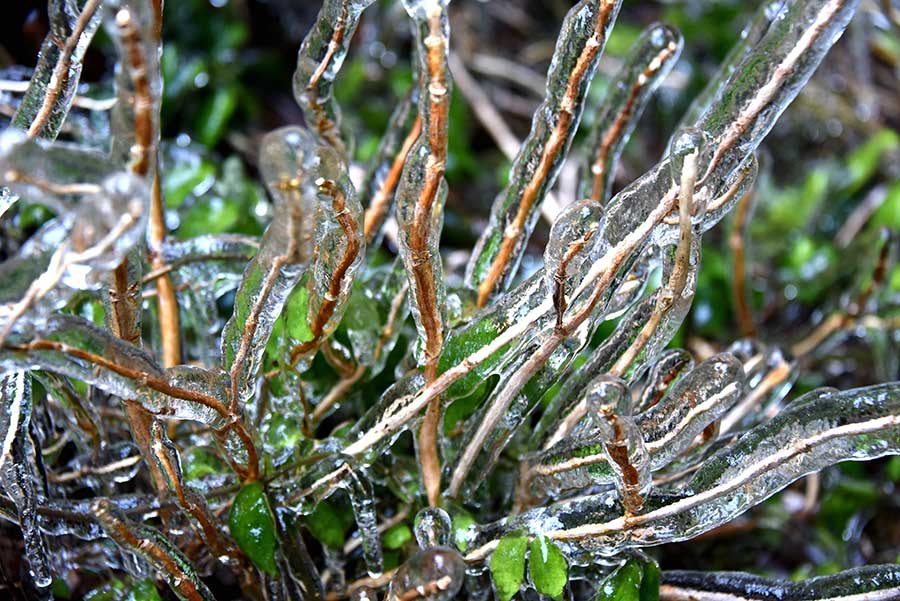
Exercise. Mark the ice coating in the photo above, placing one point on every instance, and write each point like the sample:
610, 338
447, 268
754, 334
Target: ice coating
134, 121
661, 374
422, 189
339, 251
376, 192
433, 528
813, 432
652, 57
621, 439
291, 161
19, 474
154, 548
872, 583
51, 90
319, 59
435, 574
516, 209
73, 254
715, 88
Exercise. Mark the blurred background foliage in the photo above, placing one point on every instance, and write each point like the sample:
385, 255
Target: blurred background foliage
830, 179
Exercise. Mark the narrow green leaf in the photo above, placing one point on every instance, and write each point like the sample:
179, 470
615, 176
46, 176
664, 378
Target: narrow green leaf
143, 590
508, 565
650, 581
547, 567
623, 584
253, 527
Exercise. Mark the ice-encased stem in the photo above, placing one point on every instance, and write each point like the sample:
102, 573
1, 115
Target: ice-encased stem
715, 88
813, 432
865, 583
18, 471
652, 57
380, 183
292, 161
154, 548
640, 208
516, 209
340, 247
52, 87
420, 198
319, 59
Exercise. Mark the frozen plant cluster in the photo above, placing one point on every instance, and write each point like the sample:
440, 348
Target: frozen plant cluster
145, 436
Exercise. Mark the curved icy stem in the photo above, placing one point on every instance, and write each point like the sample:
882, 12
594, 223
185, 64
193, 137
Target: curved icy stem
516, 209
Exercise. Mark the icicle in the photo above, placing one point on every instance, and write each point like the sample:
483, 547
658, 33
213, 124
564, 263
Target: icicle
652, 57
319, 59
19, 475
154, 548
52, 88
516, 209
291, 162
362, 499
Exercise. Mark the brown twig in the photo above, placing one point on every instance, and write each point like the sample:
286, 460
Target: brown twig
324, 125
736, 240
376, 213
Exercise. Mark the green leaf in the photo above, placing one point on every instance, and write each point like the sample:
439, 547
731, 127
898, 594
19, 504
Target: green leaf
199, 462
297, 314
508, 565
215, 114
863, 161
183, 178
143, 590
888, 214
397, 536
462, 521
326, 525
253, 527
547, 567
623, 584
650, 581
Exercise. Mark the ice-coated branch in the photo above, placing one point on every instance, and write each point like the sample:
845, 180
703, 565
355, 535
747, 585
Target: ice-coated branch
516, 209
652, 57
54, 83
319, 59
866, 583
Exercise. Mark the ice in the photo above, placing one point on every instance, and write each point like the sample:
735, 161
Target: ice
651, 58
515, 211
52, 88
19, 473
433, 528
435, 574
319, 59
292, 162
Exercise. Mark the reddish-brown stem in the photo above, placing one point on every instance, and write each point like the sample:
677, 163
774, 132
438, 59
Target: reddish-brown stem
739, 265
329, 304
375, 215
324, 125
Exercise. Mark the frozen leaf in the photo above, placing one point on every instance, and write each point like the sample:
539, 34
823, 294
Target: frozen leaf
547, 568
508, 565
253, 526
